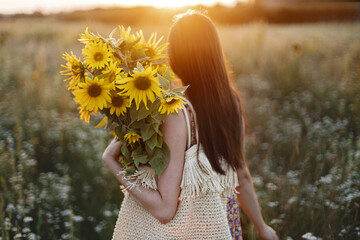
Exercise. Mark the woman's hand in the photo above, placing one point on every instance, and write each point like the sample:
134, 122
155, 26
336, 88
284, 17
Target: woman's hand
113, 151
267, 233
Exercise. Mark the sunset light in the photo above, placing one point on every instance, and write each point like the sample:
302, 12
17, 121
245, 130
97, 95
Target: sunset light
24, 6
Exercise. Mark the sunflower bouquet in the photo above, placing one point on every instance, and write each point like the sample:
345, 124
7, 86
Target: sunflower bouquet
127, 80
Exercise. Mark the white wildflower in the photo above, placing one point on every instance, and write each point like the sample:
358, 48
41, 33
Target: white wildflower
65, 236
107, 213
78, 218
26, 230
17, 236
326, 179
9, 207
273, 204
292, 200
276, 221
257, 181
28, 219
271, 186
66, 212
310, 236
32, 236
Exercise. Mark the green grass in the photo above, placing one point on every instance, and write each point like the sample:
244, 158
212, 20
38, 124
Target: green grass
300, 86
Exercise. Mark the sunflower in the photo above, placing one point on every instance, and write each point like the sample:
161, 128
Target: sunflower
132, 137
116, 60
141, 86
113, 73
87, 37
152, 48
93, 95
171, 104
118, 104
74, 69
85, 114
98, 54
126, 35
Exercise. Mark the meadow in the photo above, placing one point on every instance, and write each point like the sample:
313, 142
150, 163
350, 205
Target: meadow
300, 86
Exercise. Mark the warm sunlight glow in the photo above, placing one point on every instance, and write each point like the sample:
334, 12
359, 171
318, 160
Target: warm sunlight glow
167, 3
46, 6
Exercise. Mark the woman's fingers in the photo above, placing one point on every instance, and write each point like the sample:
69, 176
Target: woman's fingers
113, 150
267, 233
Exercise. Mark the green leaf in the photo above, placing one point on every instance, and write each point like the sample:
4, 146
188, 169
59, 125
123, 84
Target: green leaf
149, 151
157, 118
133, 114
139, 156
138, 54
159, 141
140, 159
112, 33
160, 61
90, 76
180, 89
174, 114
165, 84
155, 107
139, 67
127, 160
156, 127
129, 45
160, 159
167, 75
118, 132
104, 75
130, 171
138, 124
152, 142
147, 131
142, 112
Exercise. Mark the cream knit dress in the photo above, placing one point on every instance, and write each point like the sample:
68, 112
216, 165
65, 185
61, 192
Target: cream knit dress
201, 212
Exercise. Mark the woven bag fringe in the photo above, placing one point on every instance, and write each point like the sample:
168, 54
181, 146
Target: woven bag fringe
145, 177
198, 178
229, 182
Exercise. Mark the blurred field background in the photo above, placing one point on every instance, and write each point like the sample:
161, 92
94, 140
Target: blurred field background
300, 84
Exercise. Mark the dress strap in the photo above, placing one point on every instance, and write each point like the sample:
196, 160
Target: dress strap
195, 119
188, 125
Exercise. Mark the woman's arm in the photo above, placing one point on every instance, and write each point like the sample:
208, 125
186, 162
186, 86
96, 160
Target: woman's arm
248, 200
161, 203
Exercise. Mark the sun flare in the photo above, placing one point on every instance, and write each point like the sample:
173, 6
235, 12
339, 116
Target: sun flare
25, 6
166, 3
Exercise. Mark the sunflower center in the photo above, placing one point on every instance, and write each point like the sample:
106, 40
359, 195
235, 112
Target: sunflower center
98, 56
75, 68
171, 101
112, 76
142, 83
94, 90
117, 101
150, 52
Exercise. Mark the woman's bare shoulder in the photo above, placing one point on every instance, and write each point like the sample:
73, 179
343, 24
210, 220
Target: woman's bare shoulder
175, 121
174, 126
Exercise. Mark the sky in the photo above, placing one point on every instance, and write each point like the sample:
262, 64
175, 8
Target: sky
53, 6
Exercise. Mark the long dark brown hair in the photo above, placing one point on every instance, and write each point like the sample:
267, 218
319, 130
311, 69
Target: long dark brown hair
196, 56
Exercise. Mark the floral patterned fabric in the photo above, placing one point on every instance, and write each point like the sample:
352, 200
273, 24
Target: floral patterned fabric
233, 215
233, 208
